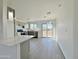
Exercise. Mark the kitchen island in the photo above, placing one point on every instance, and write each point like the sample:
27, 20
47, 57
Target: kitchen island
18, 47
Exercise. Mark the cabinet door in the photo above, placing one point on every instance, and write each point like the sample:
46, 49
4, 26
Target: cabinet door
25, 47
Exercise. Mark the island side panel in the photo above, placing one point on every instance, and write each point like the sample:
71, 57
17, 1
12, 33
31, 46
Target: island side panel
18, 51
24, 49
8, 52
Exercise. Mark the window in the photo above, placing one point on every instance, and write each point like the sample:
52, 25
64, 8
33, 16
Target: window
44, 26
26, 26
33, 26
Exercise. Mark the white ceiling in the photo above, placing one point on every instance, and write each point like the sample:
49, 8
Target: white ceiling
34, 9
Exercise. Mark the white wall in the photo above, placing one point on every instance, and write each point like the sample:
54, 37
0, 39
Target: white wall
5, 26
76, 30
1, 10
10, 29
3, 19
64, 12
65, 28
67, 25
6, 52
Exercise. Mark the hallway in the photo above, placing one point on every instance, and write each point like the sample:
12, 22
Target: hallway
45, 48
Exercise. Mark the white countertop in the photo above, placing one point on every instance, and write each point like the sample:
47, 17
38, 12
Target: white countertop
16, 40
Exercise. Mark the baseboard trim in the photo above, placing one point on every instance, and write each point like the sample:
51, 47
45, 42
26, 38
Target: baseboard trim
59, 46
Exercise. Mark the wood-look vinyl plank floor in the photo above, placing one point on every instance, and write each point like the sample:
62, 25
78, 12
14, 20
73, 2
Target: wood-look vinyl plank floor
45, 48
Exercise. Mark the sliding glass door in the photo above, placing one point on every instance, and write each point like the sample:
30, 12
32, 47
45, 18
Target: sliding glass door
47, 29
44, 30
50, 29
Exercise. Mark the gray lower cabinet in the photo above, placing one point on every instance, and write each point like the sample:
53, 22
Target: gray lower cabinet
24, 49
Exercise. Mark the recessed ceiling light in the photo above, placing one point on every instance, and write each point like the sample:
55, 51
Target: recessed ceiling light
59, 5
48, 12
